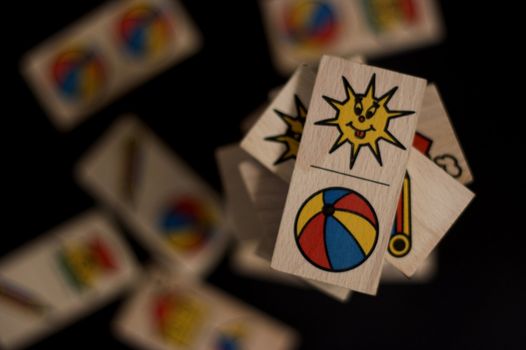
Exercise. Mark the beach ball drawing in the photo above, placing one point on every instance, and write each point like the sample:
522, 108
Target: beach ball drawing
336, 229
310, 24
78, 74
390, 15
187, 224
231, 336
144, 31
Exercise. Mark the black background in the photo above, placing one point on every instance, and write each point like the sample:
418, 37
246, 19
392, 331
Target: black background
476, 300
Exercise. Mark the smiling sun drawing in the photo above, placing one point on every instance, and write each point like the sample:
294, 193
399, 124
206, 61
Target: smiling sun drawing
292, 136
363, 120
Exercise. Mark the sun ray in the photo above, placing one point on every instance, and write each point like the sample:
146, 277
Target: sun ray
296, 125
290, 154
369, 93
385, 98
387, 136
349, 91
398, 114
338, 143
337, 105
278, 138
300, 108
375, 148
292, 135
331, 121
355, 149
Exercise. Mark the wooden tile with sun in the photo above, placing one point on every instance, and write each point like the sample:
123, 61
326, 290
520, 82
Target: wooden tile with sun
274, 139
345, 206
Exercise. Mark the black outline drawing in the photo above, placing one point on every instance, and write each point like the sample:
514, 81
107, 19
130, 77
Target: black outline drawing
455, 163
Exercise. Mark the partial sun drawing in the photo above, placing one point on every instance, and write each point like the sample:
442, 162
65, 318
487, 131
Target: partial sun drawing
292, 136
363, 120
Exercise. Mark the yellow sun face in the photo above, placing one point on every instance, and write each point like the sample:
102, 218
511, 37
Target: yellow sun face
363, 120
292, 136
